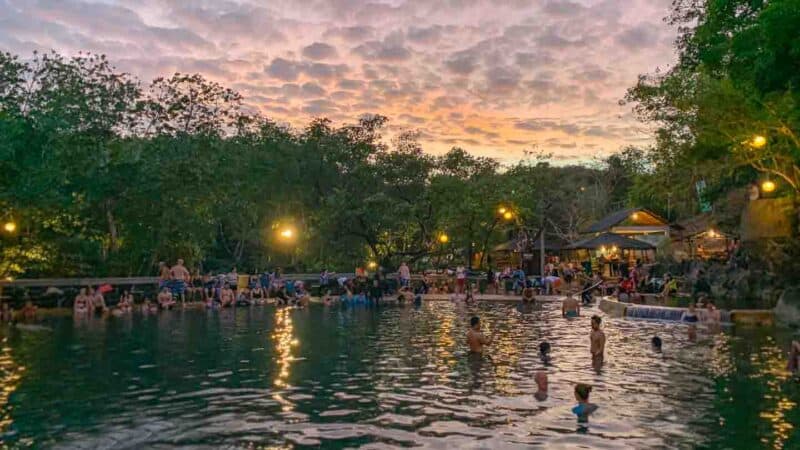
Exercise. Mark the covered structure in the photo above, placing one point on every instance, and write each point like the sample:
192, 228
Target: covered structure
610, 253
525, 252
700, 238
634, 223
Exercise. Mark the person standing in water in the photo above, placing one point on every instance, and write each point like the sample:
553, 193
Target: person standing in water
583, 409
475, 338
597, 341
541, 385
570, 307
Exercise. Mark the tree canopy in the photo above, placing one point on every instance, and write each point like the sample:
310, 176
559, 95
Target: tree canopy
106, 176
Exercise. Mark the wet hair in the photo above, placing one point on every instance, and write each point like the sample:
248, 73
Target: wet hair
597, 319
656, 341
474, 321
544, 347
583, 391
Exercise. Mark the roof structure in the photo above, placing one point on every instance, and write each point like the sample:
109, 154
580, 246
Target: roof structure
638, 216
610, 240
516, 244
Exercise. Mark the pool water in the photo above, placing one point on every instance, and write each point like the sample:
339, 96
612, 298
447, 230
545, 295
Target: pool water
388, 377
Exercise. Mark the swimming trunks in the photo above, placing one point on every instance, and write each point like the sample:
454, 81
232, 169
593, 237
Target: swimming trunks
572, 313
689, 318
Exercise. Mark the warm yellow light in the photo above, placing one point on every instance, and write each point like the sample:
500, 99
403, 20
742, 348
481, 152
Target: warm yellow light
502, 210
602, 248
9, 279
10, 227
758, 141
614, 249
443, 238
508, 215
768, 186
287, 233
712, 233
635, 216
372, 264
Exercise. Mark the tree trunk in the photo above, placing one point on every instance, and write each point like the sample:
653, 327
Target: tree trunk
112, 226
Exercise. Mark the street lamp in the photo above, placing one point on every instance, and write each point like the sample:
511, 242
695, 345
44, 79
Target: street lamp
502, 210
10, 227
444, 238
372, 264
508, 215
768, 186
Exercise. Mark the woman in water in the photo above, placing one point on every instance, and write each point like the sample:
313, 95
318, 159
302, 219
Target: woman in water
81, 304
690, 315
125, 303
583, 409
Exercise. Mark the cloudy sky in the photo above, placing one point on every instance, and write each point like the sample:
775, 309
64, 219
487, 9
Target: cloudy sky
495, 77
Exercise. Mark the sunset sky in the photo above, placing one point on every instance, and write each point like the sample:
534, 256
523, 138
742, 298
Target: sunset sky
495, 77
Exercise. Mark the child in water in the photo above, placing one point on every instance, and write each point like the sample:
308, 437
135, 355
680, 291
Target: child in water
656, 343
583, 409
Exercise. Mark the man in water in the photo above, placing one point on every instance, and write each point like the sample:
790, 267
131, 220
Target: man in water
180, 277
475, 338
404, 273
597, 342
541, 385
570, 307
163, 275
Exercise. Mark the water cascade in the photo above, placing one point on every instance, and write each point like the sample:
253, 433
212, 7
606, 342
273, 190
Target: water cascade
653, 312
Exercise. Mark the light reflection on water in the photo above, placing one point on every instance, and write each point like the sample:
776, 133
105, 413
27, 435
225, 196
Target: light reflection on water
378, 377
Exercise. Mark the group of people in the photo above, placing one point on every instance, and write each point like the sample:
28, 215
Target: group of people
477, 341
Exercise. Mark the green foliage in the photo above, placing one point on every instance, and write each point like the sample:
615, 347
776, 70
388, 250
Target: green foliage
105, 177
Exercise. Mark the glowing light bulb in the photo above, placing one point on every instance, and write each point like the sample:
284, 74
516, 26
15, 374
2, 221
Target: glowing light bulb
768, 186
758, 141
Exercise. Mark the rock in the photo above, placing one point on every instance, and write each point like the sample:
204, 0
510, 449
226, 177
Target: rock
787, 311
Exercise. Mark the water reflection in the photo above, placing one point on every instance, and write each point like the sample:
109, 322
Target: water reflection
285, 341
388, 377
10, 376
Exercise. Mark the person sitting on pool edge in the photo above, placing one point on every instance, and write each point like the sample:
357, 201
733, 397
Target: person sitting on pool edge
475, 338
570, 307
583, 409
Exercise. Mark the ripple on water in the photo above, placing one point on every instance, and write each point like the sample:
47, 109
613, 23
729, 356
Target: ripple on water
379, 378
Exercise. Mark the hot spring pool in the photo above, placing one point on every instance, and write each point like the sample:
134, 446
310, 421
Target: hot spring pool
387, 377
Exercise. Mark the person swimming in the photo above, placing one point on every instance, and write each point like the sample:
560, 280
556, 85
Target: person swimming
690, 315
544, 352
570, 307
583, 409
656, 343
475, 338
541, 385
